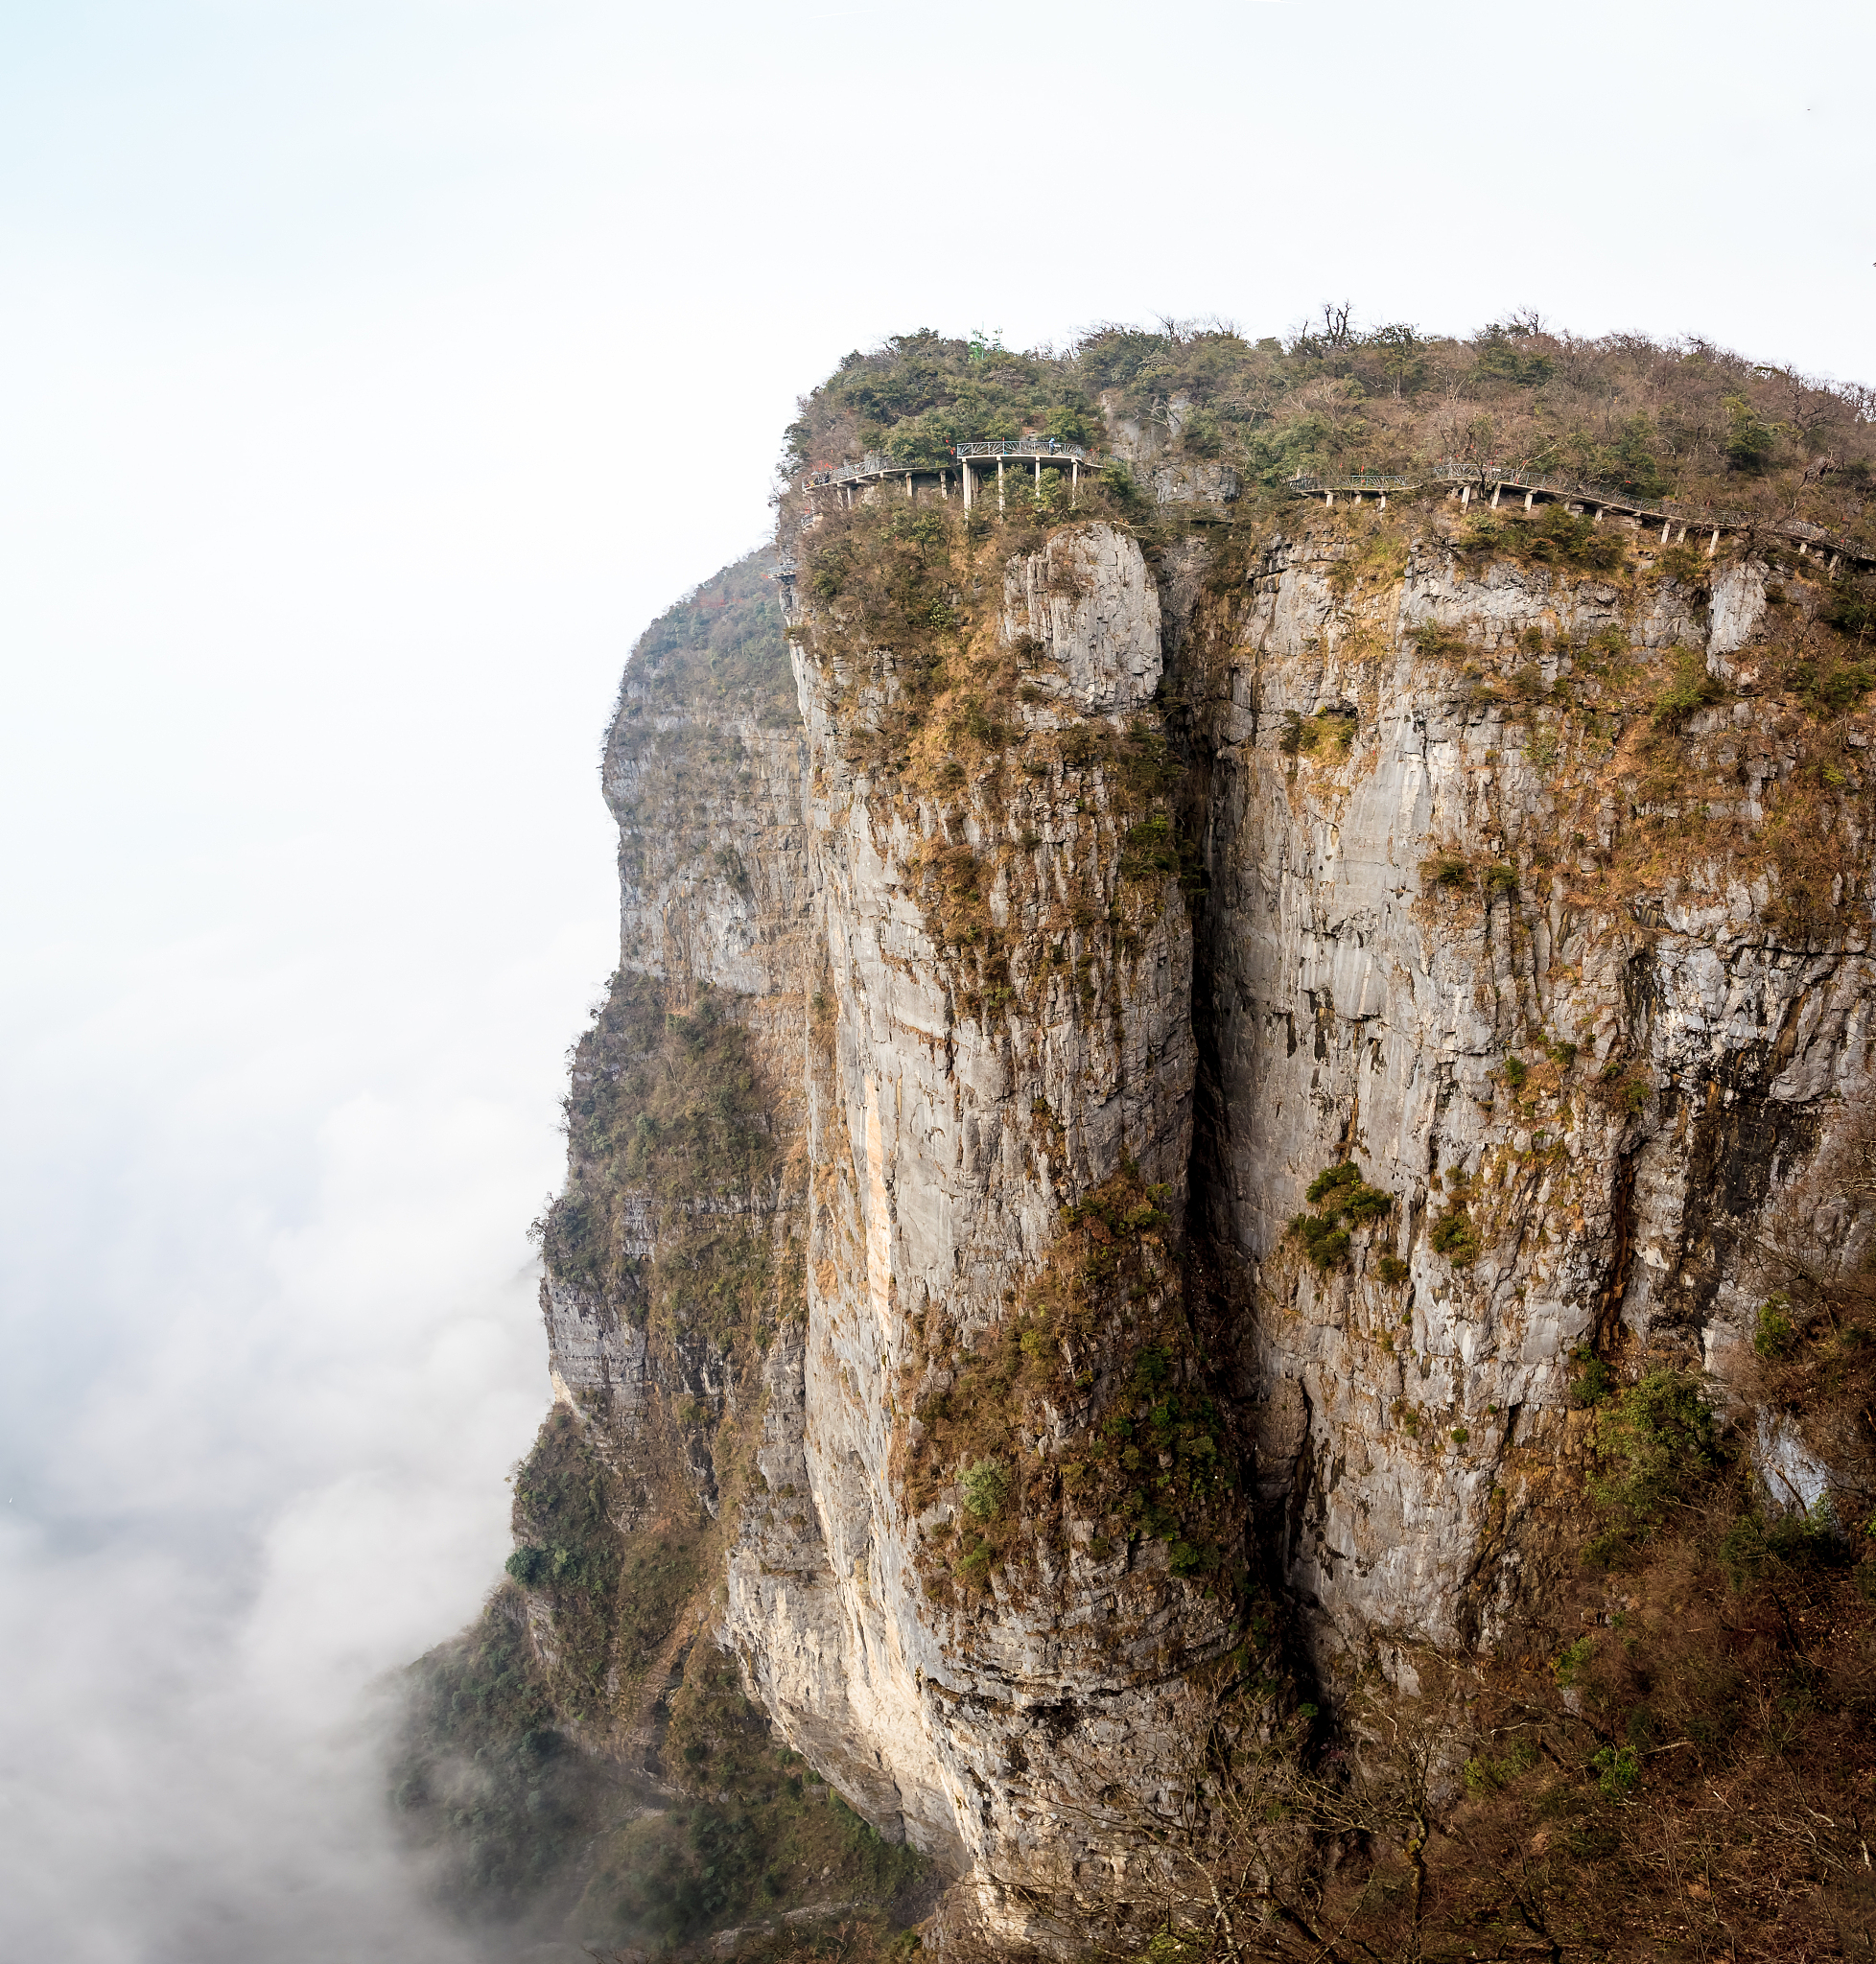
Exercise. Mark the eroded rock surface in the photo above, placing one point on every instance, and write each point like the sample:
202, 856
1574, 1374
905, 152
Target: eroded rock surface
1358, 1006
933, 1190
1443, 931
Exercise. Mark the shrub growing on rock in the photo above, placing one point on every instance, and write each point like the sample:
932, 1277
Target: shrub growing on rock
986, 1487
1339, 1194
1454, 1237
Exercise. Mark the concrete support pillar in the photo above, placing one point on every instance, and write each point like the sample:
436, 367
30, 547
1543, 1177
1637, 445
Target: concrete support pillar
1680, 537
1465, 496
1831, 569
1495, 490
1000, 483
1713, 544
909, 488
1804, 550
964, 465
1667, 525
1329, 498
1598, 519
1074, 479
1384, 501
1039, 474
1357, 496
1530, 498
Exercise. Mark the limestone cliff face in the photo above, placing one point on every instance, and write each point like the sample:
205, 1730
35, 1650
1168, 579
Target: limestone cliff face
1412, 1431
935, 1188
703, 769
1536, 961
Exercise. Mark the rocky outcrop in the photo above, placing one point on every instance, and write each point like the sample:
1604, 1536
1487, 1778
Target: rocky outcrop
597, 1358
935, 1189
1431, 951
1479, 895
1091, 609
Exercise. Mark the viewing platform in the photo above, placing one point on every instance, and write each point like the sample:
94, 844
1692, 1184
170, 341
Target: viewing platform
969, 464
1467, 480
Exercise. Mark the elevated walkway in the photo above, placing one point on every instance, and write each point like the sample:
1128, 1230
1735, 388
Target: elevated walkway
968, 463
1467, 480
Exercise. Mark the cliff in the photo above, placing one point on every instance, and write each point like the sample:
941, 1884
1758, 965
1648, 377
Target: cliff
1230, 1160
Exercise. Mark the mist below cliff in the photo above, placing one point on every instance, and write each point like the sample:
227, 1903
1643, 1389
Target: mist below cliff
279, 1100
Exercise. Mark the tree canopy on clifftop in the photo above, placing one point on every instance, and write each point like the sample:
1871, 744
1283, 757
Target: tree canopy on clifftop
1685, 420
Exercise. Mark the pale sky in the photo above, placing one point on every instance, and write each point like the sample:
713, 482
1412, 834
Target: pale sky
369, 375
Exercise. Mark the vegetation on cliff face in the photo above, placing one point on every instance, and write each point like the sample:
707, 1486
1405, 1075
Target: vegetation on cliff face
673, 1161
502, 1762
1657, 769
705, 711
1085, 1419
1674, 1756
724, 1827
721, 648
920, 393
485, 1775
583, 1760
567, 1553
1341, 1199
1602, 1813
960, 733
1679, 1765
756, 1834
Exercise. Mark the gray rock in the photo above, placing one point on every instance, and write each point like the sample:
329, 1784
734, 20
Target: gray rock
1410, 1436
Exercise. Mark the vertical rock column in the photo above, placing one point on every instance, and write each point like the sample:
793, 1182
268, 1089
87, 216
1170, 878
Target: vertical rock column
934, 1191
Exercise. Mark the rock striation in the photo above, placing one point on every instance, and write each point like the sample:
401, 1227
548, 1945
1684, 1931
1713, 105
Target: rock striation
929, 1199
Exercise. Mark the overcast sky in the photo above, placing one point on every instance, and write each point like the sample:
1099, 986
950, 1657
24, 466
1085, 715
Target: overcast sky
369, 375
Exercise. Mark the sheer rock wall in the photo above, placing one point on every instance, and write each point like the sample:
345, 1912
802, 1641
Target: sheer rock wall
933, 1190
1353, 1006
1336, 991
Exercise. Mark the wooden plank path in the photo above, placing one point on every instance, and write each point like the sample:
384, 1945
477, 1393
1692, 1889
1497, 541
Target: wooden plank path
1468, 479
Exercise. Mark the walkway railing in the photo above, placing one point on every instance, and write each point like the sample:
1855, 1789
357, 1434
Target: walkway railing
1497, 477
1362, 480
1610, 498
876, 464
1025, 445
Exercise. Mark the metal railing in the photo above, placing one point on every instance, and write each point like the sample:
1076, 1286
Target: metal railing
1025, 445
1510, 478
1610, 497
1485, 475
1692, 516
1362, 480
874, 463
